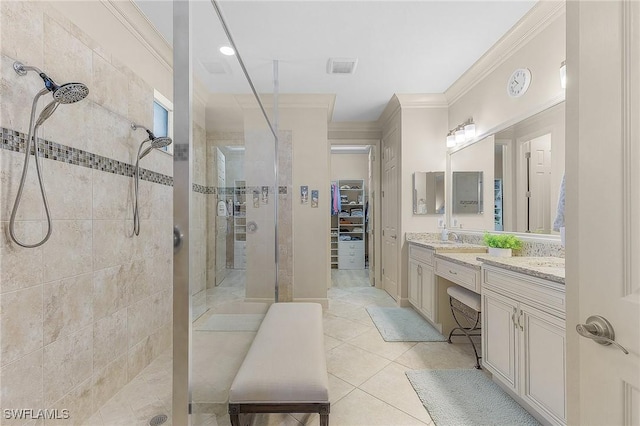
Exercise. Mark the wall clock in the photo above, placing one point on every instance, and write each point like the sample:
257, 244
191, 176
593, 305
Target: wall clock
519, 82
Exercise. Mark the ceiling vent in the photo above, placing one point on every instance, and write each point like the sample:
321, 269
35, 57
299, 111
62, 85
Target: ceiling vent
217, 67
342, 65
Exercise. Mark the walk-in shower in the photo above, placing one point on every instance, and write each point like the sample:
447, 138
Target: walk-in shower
67, 93
155, 142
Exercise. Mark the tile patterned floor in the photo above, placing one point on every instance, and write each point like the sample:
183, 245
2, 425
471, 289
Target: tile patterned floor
366, 374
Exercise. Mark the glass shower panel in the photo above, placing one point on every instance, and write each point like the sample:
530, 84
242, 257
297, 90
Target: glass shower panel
232, 214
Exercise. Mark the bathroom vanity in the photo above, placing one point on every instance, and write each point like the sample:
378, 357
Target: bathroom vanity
523, 331
523, 316
427, 292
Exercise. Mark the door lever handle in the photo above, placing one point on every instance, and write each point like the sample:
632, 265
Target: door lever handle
599, 330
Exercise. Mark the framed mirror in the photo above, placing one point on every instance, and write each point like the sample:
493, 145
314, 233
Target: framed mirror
523, 166
428, 193
467, 192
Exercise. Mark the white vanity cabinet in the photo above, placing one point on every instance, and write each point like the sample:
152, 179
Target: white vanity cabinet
524, 339
422, 281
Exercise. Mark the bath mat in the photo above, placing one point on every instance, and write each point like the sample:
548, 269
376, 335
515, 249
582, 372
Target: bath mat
466, 397
231, 322
403, 325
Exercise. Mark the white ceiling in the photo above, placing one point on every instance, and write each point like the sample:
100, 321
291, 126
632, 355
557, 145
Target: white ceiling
401, 46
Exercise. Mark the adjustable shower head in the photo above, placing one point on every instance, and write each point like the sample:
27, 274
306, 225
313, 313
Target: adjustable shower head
156, 142
67, 93
70, 93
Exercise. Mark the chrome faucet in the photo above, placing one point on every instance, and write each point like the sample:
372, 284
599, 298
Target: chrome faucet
456, 237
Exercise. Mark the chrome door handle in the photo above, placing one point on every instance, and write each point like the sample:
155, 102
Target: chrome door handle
600, 330
513, 317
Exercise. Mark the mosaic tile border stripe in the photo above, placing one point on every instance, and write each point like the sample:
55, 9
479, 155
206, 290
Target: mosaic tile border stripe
15, 141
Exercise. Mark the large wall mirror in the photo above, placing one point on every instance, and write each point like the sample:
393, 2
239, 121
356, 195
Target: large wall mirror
523, 166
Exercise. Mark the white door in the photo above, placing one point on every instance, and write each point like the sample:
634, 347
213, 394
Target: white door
390, 208
540, 184
603, 209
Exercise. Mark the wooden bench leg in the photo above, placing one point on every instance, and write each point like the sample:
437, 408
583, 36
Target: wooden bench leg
234, 415
324, 414
324, 420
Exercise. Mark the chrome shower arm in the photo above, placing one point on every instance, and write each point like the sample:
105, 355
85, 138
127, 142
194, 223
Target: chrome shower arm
21, 69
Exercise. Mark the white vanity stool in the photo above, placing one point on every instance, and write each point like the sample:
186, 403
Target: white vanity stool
462, 301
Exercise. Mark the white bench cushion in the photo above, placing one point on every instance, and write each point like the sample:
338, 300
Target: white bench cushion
465, 296
286, 362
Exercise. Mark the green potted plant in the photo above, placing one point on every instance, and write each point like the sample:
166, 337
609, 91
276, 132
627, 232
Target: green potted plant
501, 245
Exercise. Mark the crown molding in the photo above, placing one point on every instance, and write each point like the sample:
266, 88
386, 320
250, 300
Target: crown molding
354, 130
422, 100
393, 107
543, 14
137, 23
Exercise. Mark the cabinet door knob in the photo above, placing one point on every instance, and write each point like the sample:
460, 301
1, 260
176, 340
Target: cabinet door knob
600, 330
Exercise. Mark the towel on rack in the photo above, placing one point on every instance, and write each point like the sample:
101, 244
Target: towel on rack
559, 222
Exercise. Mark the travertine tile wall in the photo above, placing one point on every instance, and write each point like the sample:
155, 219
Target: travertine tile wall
83, 314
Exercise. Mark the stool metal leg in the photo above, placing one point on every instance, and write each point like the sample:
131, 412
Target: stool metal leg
474, 330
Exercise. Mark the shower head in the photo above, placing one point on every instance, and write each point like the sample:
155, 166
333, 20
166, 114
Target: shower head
70, 93
67, 93
156, 142
47, 112
159, 142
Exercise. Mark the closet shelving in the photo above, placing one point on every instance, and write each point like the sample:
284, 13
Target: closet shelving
349, 225
239, 224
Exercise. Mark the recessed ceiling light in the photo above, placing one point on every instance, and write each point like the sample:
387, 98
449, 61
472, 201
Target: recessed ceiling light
227, 50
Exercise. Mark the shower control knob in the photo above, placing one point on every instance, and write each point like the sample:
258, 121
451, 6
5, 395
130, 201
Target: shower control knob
177, 238
252, 227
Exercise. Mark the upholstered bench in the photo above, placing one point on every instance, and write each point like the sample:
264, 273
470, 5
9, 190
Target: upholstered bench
285, 370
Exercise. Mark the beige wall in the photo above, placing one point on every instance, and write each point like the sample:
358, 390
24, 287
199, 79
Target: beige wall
488, 103
310, 226
87, 311
423, 150
350, 166
478, 157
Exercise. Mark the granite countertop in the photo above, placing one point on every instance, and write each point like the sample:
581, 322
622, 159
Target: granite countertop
470, 260
548, 268
432, 241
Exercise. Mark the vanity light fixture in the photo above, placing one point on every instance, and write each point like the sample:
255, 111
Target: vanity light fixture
469, 129
563, 74
451, 139
460, 137
227, 51
462, 133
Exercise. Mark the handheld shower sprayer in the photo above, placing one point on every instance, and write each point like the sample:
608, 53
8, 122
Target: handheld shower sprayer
155, 142
65, 94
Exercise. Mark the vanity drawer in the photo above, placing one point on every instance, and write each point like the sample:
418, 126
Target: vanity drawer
462, 275
542, 294
421, 254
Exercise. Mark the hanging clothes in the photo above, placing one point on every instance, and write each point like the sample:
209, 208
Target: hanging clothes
335, 199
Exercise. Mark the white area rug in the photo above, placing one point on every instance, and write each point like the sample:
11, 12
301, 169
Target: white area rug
466, 398
403, 325
231, 322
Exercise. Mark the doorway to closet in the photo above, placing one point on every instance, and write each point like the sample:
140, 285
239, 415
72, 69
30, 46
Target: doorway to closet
352, 190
